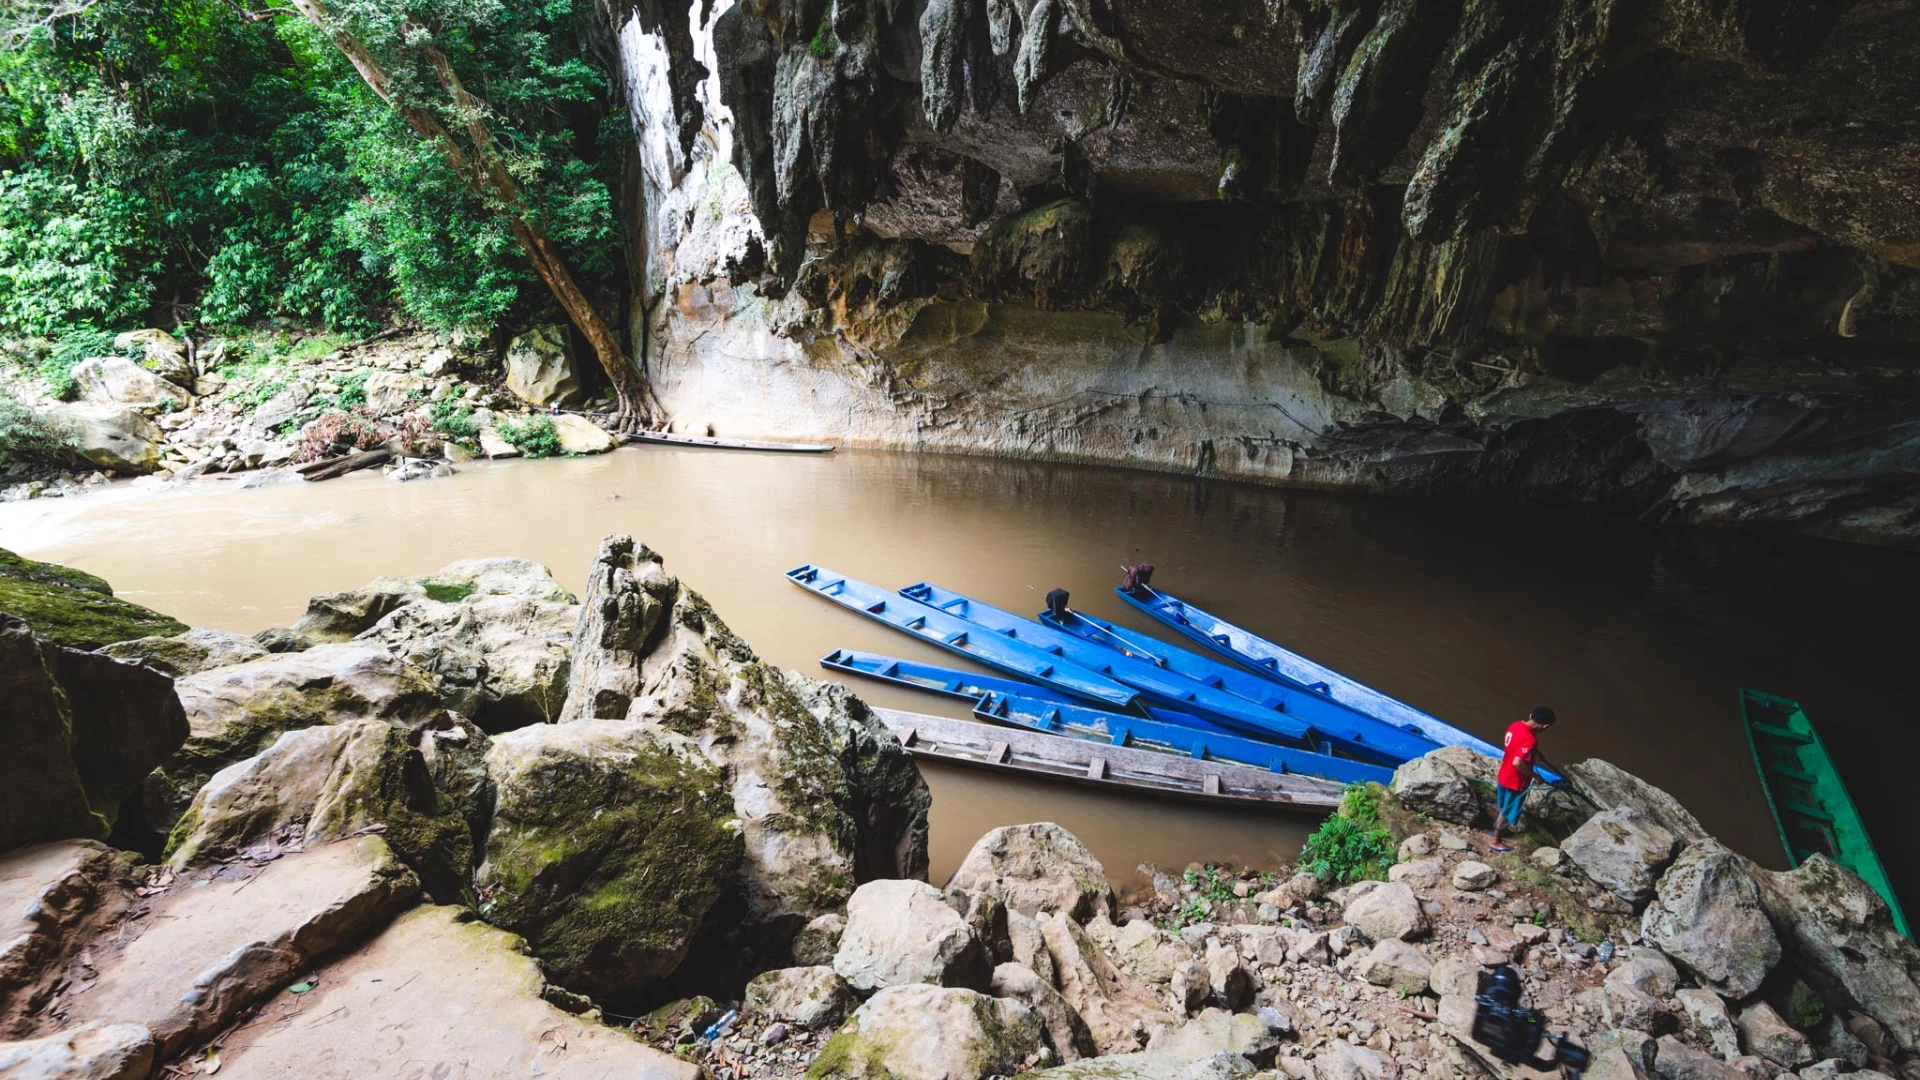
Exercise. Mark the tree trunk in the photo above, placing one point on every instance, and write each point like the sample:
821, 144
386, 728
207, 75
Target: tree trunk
487, 176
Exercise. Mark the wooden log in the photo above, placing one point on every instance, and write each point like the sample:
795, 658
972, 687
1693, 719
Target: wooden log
329, 468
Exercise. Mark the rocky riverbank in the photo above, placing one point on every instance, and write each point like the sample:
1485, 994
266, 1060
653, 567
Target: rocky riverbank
472, 824
174, 409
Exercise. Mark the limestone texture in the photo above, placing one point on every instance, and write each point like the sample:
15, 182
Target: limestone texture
1037, 869
930, 1033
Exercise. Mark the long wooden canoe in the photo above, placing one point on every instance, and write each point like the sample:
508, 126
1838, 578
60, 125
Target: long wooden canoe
1124, 769
1081, 722
1348, 727
1264, 657
1157, 685
948, 682
1810, 803
711, 443
936, 627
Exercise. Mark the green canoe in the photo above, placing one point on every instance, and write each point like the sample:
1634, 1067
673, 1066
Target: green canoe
1810, 804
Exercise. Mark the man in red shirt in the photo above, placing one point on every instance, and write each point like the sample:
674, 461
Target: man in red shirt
1516, 770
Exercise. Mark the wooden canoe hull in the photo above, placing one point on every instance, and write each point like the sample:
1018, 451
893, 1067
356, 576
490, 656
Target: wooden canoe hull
763, 446
1811, 806
1124, 770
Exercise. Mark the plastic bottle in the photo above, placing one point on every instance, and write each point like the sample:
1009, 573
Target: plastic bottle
719, 1027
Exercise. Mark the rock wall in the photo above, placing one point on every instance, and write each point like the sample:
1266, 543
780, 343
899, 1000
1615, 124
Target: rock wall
1657, 256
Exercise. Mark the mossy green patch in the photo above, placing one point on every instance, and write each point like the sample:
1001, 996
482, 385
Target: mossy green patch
608, 858
72, 607
446, 592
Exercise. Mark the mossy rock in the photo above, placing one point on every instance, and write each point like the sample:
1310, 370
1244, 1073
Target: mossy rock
611, 841
72, 607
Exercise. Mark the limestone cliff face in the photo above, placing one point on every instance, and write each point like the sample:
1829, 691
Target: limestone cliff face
1660, 256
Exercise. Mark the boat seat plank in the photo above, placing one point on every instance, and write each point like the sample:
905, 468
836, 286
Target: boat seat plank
1811, 813
1786, 735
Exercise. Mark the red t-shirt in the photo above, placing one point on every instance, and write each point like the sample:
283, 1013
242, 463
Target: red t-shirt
1520, 743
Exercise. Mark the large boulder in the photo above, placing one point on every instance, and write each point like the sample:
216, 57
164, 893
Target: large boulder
497, 575
931, 1033
1707, 1016
901, 932
825, 795
1037, 869
1708, 916
579, 435
1396, 965
1066, 1032
1675, 1060
1118, 1009
337, 779
611, 840
118, 380
237, 711
1216, 1031
502, 661
72, 607
110, 436
160, 352
1389, 911
340, 616
1623, 851
1635, 994
1839, 933
812, 997
81, 732
1763, 1032
390, 392
1614, 788
540, 368
183, 654
1446, 783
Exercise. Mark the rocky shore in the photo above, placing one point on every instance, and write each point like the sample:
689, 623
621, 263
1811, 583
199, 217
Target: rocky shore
473, 825
163, 407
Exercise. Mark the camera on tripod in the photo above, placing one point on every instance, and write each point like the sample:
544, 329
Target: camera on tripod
1513, 1031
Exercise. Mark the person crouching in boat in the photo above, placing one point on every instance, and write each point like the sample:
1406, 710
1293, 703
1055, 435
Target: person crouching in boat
1516, 771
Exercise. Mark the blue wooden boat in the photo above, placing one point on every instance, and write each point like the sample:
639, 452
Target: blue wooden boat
1156, 685
1263, 657
956, 635
934, 679
970, 688
1079, 721
1348, 727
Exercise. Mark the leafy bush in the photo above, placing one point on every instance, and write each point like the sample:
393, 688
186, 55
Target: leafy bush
26, 434
332, 431
353, 388
1351, 845
534, 437
455, 421
1211, 882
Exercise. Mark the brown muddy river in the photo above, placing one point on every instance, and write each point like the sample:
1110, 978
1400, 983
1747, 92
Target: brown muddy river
1639, 637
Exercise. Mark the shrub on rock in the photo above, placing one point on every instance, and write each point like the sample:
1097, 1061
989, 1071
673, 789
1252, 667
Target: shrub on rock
610, 842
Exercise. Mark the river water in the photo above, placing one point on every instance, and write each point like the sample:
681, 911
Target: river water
1639, 637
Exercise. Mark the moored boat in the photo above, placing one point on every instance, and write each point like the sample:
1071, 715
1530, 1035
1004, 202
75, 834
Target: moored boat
711, 443
1079, 721
1314, 707
1123, 769
949, 682
1160, 687
1261, 656
966, 639
1811, 806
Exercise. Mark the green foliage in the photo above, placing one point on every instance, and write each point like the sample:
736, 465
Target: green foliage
168, 160
56, 370
1352, 844
353, 389
455, 421
534, 436
823, 38
1195, 909
1212, 882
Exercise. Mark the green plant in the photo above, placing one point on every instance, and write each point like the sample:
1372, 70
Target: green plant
56, 371
1196, 909
823, 38
455, 421
1351, 845
534, 436
1213, 883
353, 388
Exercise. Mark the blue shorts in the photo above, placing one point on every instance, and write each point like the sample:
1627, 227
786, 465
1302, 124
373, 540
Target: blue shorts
1510, 803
